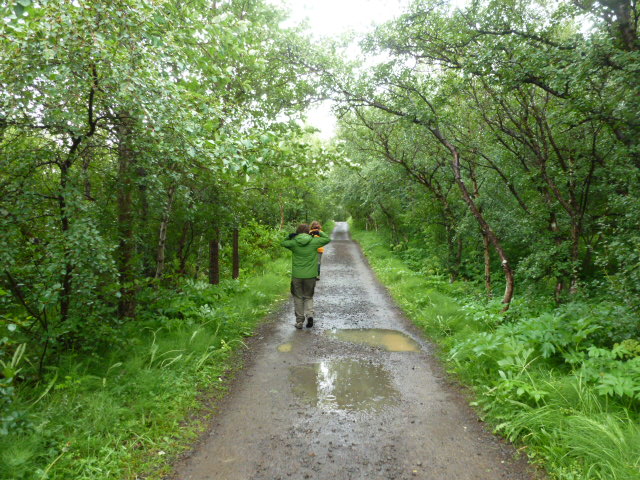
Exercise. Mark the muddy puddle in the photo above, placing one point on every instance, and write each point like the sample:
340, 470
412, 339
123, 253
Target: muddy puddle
285, 347
390, 340
344, 385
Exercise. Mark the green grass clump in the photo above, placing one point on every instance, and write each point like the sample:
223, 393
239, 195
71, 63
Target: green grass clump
563, 382
124, 411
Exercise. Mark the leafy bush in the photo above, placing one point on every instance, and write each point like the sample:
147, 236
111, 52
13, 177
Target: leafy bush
564, 380
104, 416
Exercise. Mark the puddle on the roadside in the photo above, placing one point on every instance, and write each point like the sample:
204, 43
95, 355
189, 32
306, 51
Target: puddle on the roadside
390, 340
285, 347
344, 385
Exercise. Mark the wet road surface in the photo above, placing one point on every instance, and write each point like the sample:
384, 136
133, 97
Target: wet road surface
338, 402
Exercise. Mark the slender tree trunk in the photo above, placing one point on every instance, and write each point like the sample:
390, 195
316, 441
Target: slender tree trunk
3, 127
148, 256
214, 258
576, 230
127, 247
392, 222
557, 239
196, 270
487, 264
372, 222
454, 246
162, 237
65, 280
627, 22
65, 167
184, 247
486, 243
236, 254
484, 225
451, 254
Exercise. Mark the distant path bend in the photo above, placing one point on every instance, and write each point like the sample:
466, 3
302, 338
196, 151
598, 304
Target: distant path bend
320, 404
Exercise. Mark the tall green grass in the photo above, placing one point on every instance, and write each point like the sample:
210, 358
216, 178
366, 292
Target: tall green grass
123, 412
523, 386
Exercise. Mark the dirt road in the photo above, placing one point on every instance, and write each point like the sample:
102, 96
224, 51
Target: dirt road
358, 396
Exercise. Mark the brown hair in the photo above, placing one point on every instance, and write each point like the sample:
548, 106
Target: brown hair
315, 225
303, 228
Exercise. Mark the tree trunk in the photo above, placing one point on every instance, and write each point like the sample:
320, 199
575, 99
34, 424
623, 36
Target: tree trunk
127, 247
451, 255
3, 127
626, 23
162, 237
576, 230
184, 247
487, 264
395, 235
196, 270
372, 222
65, 280
214, 258
236, 254
484, 226
557, 239
454, 247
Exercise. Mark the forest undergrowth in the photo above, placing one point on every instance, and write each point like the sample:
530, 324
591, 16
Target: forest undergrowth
128, 408
560, 381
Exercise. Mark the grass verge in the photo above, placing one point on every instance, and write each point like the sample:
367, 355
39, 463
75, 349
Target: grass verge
539, 377
126, 412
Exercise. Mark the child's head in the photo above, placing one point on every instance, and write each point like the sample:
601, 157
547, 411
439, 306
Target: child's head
303, 228
315, 225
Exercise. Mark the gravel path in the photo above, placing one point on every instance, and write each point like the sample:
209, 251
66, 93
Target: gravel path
331, 403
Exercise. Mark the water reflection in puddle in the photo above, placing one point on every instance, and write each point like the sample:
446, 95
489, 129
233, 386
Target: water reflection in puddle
285, 347
344, 385
390, 340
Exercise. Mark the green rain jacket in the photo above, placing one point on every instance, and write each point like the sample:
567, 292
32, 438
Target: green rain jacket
304, 247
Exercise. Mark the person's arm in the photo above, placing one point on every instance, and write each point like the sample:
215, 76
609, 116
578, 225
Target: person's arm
321, 239
288, 242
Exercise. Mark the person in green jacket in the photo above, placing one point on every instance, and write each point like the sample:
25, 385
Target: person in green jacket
304, 270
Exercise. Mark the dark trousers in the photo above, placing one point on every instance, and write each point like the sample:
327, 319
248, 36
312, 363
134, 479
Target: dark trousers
302, 290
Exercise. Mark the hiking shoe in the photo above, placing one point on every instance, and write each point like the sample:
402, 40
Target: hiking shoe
299, 326
309, 322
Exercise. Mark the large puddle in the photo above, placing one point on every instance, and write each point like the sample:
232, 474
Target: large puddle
344, 385
390, 340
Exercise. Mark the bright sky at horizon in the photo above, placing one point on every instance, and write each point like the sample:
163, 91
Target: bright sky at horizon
333, 18
329, 18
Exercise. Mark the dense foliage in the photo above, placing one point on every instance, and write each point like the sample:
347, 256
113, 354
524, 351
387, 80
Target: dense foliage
147, 150
507, 132
127, 411
135, 139
151, 151
550, 380
503, 137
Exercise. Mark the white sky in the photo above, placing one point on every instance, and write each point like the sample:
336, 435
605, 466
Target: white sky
328, 18
332, 18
